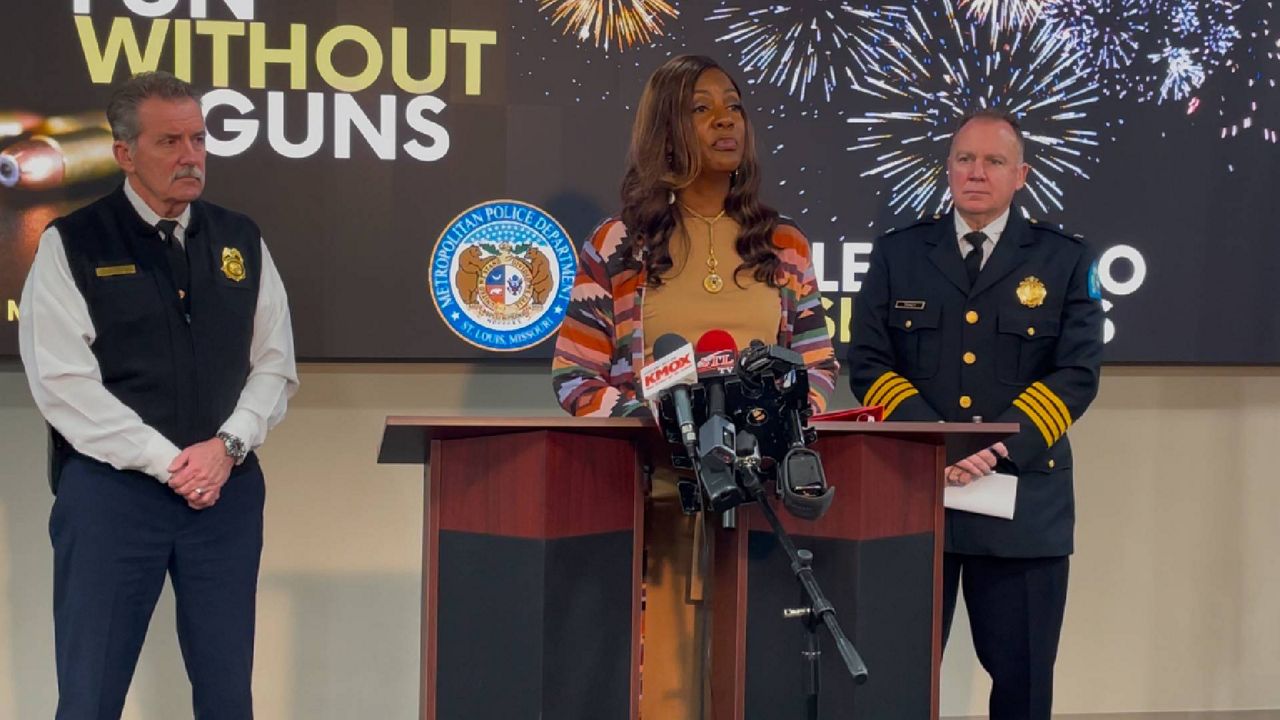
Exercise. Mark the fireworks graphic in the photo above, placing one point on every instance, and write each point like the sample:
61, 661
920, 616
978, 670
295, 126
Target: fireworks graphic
1116, 37
804, 49
610, 24
1184, 73
1207, 25
1003, 15
1184, 18
1148, 49
941, 68
1198, 34
553, 67
1248, 99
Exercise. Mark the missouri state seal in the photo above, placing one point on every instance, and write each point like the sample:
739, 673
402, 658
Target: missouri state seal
501, 274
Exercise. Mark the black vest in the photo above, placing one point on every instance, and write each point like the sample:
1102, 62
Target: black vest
182, 375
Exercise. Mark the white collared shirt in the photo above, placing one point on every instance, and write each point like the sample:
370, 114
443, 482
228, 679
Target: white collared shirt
993, 230
56, 334
151, 217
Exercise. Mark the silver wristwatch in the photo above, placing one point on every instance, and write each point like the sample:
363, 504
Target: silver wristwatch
236, 449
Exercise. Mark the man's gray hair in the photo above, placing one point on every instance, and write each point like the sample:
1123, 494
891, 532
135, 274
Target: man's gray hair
122, 109
997, 115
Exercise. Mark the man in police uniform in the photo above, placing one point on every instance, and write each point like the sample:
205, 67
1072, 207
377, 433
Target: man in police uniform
982, 313
156, 339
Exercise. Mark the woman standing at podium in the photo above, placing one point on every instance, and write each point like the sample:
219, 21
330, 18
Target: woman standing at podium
693, 250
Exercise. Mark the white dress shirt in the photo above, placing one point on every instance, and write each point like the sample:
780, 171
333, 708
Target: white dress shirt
56, 334
993, 231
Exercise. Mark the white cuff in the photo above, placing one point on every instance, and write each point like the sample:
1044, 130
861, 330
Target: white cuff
241, 424
158, 456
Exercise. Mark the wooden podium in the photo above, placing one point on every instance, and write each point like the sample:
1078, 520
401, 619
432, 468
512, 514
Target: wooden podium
532, 548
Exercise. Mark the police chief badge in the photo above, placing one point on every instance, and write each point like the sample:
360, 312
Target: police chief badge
1031, 292
233, 264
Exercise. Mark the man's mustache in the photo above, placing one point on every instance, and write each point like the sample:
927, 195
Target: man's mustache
189, 171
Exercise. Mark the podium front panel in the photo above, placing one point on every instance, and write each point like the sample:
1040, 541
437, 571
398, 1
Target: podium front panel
882, 592
533, 593
877, 556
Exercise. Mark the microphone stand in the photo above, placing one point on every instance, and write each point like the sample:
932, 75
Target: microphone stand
816, 607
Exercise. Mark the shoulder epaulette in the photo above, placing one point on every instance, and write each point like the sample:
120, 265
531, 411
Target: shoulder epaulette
1046, 227
920, 221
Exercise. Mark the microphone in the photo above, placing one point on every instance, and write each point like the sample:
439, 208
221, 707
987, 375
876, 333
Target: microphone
760, 364
776, 387
670, 374
747, 448
717, 357
805, 492
717, 365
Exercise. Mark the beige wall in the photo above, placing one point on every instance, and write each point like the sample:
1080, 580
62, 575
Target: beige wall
1174, 604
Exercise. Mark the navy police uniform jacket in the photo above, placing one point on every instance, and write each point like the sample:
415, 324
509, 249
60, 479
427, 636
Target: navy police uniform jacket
1023, 345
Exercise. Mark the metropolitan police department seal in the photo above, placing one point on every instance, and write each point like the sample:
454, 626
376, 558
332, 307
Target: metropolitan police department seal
501, 275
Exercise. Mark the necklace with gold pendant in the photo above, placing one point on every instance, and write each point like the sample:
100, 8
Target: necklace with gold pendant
712, 283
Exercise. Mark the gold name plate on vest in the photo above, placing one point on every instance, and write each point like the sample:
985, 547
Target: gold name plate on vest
116, 270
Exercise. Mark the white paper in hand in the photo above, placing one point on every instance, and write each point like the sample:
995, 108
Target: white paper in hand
994, 495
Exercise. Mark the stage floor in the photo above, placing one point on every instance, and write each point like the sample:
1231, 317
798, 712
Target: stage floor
1203, 715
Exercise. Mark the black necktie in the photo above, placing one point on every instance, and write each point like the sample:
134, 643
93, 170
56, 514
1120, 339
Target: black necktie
973, 261
176, 253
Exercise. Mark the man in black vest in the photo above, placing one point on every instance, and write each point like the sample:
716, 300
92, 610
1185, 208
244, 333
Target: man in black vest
156, 338
984, 313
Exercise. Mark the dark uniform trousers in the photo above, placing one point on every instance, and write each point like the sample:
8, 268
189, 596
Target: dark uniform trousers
116, 534
1015, 608
1020, 344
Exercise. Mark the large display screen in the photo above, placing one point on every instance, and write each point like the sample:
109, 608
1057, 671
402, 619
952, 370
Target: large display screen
423, 170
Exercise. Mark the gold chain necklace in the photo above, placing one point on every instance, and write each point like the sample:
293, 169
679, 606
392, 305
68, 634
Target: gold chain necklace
712, 283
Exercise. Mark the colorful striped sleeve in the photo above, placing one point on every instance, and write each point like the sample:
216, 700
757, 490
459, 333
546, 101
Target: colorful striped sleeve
583, 360
810, 335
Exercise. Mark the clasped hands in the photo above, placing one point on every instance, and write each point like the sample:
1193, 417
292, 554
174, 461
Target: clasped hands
975, 466
199, 472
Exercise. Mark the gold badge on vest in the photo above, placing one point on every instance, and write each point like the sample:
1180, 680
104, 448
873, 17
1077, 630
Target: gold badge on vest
1031, 292
233, 264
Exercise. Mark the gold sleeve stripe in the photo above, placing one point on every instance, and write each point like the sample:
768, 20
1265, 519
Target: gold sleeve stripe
1047, 415
1051, 413
1035, 418
889, 388
1056, 401
875, 386
892, 403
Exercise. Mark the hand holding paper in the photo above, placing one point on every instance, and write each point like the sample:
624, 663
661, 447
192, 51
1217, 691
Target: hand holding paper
994, 495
